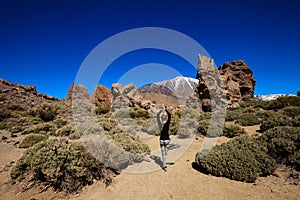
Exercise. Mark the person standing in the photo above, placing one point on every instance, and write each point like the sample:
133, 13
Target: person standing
166, 143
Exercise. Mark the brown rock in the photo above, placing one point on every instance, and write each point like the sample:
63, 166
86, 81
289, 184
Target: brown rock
233, 79
210, 89
127, 96
240, 82
102, 96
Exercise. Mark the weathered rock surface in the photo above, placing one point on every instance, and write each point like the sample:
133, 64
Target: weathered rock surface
102, 96
235, 79
239, 81
128, 96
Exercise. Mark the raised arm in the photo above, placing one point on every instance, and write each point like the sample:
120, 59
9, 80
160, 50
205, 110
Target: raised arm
169, 116
158, 119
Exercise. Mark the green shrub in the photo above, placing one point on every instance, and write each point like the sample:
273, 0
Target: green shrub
46, 128
282, 102
266, 114
247, 119
65, 166
18, 124
241, 159
283, 145
291, 111
184, 132
203, 127
4, 113
74, 136
274, 122
174, 125
130, 143
204, 116
31, 140
66, 130
109, 152
254, 103
207, 129
138, 113
47, 112
151, 127
232, 115
101, 110
233, 131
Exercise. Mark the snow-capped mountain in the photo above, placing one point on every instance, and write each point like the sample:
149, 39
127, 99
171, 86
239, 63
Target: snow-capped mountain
270, 97
179, 87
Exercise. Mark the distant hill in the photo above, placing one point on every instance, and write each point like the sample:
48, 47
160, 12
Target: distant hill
270, 97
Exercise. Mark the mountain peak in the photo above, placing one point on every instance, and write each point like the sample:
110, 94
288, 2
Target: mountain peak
179, 87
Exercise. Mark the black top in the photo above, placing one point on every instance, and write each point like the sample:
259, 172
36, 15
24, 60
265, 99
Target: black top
164, 133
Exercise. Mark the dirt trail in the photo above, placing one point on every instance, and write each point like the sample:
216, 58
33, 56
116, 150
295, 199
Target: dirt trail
181, 181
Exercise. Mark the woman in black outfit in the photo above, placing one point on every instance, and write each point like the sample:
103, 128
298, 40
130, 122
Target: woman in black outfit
165, 143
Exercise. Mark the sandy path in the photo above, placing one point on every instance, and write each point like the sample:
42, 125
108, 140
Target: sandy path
183, 182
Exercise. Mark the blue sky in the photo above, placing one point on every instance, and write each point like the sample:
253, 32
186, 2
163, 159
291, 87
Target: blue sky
44, 43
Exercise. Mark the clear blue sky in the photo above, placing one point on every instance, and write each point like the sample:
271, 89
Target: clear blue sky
43, 43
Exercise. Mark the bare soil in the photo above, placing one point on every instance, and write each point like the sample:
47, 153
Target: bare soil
181, 181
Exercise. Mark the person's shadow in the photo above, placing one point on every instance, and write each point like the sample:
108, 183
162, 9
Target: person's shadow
157, 160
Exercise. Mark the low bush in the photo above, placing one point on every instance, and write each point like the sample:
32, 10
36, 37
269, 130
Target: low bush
282, 102
138, 113
47, 112
241, 159
66, 130
254, 103
203, 127
274, 122
130, 143
101, 110
247, 119
109, 152
64, 166
31, 140
291, 111
283, 145
19, 124
46, 128
4, 113
184, 132
232, 115
247, 157
233, 131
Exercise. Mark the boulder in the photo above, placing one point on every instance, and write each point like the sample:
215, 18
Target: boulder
240, 82
102, 96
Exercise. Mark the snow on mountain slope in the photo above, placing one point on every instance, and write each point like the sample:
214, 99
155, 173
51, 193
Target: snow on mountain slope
270, 97
179, 87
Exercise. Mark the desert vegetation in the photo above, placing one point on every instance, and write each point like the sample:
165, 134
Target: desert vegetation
55, 157
247, 157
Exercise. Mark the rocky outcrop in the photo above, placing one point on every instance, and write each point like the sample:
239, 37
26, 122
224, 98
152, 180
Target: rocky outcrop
102, 96
210, 89
77, 91
233, 79
6, 87
127, 96
239, 81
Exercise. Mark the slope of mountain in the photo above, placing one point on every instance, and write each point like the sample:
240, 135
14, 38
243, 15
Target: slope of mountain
270, 97
179, 87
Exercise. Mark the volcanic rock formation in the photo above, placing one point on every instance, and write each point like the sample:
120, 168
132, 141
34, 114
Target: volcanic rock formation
235, 79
